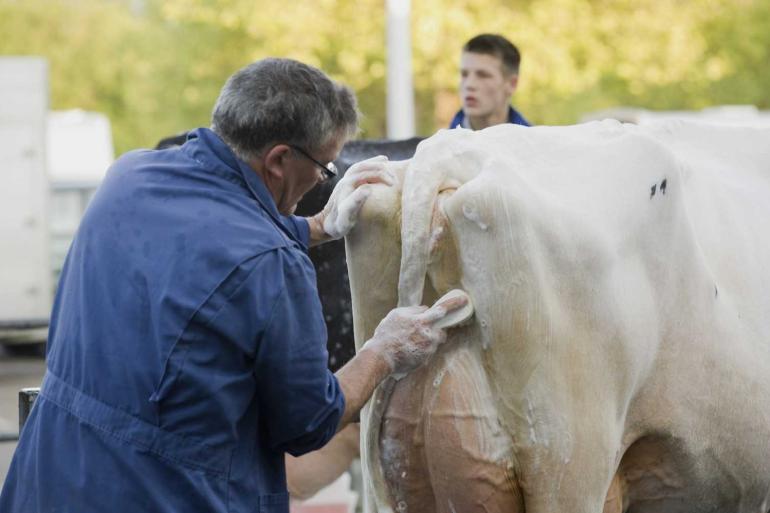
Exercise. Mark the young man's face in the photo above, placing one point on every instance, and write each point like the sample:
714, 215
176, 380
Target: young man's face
485, 91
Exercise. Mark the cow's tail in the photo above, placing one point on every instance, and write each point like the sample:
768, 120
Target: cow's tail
447, 160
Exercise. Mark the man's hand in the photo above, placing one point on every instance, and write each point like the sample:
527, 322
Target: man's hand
403, 341
341, 212
408, 336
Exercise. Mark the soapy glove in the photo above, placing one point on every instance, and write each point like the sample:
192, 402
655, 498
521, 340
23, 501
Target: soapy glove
408, 336
341, 212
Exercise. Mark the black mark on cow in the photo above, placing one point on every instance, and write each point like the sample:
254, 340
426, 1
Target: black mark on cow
663, 186
716, 291
652, 190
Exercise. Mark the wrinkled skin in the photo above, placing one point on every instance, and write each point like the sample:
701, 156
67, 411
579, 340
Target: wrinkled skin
619, 359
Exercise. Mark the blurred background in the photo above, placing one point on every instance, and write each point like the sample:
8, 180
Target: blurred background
101, 77
155, 67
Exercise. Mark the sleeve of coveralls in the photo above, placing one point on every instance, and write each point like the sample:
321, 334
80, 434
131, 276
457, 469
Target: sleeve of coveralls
299, 227
301, 402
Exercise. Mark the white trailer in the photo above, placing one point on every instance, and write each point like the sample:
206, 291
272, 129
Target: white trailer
25, 283
50, 163
79, 149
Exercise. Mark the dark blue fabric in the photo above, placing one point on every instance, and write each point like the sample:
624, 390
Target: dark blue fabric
514, 117
187, 348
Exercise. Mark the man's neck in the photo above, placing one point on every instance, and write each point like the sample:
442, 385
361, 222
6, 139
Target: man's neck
274, 187
496, 118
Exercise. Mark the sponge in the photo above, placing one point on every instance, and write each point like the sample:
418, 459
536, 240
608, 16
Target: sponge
456, 316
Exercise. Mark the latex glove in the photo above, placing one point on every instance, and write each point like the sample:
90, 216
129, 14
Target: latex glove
408, 336
341, 212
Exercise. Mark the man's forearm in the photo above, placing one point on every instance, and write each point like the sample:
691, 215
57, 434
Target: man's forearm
311, 472
358, 379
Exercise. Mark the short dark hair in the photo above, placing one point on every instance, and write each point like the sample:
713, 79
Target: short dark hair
283, 100
500, 47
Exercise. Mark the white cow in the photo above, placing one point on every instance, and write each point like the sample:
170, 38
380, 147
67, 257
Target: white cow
619, 359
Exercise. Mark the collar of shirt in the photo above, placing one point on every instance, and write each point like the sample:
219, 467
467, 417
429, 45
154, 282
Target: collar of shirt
211, 151
461, 120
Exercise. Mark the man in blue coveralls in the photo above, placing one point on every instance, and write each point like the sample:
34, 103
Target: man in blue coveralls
489, 74
187, 347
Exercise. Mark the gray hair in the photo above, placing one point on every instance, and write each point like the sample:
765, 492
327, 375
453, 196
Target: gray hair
283, 100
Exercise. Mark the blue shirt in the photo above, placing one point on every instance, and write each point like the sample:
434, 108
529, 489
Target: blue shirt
187, 348
514, 117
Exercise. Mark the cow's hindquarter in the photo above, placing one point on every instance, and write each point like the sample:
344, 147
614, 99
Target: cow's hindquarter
534, 394
559, 413
443, 446
441, 426
506, 407
373, 253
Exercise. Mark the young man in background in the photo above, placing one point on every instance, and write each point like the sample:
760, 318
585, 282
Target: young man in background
489, 74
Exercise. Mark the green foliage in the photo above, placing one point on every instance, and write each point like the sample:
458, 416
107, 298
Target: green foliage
155, 66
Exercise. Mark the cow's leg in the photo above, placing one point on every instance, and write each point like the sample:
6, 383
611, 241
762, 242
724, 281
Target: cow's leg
444, 450
402, 448
581, 484
614, 501
469, 455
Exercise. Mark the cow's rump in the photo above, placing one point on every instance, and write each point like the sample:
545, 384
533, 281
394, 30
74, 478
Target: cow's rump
622, 292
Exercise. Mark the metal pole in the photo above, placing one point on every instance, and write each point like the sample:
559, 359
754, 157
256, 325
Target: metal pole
400, 95
27, 398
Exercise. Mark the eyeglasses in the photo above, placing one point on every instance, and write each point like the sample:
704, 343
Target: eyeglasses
329, 170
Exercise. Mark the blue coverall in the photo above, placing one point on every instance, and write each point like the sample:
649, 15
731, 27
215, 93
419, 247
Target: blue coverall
187, 348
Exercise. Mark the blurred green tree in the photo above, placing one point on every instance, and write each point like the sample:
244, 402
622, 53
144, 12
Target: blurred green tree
155, 66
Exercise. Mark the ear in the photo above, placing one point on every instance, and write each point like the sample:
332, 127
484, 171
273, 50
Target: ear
511, 83
274, 160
